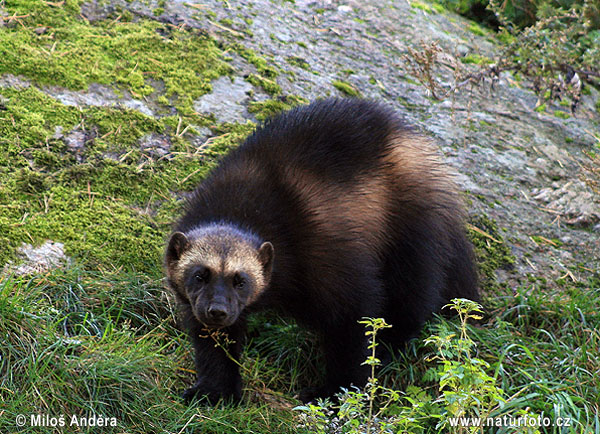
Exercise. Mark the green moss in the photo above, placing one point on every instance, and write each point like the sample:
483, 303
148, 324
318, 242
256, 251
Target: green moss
30, 182
345, 88
541, 108
259, 62
438, 8
126, 16
77, 53
299, 62
411, 81
109, 200
555, 242
28, 123
476, 59
419, 5
229, 136
506, 37
266, 109
476, 29
163, 100
266, 75
110, 206
561, 114
270, 86
46, 194
491, 250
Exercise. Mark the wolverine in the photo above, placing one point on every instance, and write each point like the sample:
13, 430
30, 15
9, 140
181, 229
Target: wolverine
327, 213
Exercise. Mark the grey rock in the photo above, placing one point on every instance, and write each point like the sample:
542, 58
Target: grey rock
36, 260
283, 36
467, 184
97, 95
560, 156
96, 11
199, 140
462, 50
10, 80
574, 201
155, 145
58, 132
75, 140
502, 160
227, 101
136, 104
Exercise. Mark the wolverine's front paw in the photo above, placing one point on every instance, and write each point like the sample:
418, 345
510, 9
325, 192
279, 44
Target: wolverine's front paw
191, 393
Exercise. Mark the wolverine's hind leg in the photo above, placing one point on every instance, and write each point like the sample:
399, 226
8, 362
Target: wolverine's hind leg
413, 280
345, 349
344, 342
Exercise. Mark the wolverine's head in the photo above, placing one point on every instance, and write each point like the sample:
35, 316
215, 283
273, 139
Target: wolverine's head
218, 270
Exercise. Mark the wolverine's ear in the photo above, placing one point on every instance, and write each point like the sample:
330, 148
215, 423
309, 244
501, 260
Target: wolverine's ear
266, 253
177, 245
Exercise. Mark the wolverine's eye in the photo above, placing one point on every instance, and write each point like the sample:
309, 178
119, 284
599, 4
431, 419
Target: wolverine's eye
202, 276
238, 281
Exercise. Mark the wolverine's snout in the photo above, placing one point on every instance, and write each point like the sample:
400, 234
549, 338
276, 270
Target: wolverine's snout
217, 313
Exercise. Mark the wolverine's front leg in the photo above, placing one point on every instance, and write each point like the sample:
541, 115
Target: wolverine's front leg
217, 356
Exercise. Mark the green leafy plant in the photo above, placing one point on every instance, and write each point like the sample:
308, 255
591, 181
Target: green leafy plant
464, 383
358, 410
465, 386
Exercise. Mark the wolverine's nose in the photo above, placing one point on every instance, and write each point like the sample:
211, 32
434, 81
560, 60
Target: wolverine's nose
216, 313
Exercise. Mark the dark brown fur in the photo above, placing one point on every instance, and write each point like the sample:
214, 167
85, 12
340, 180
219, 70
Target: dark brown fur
362, 220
